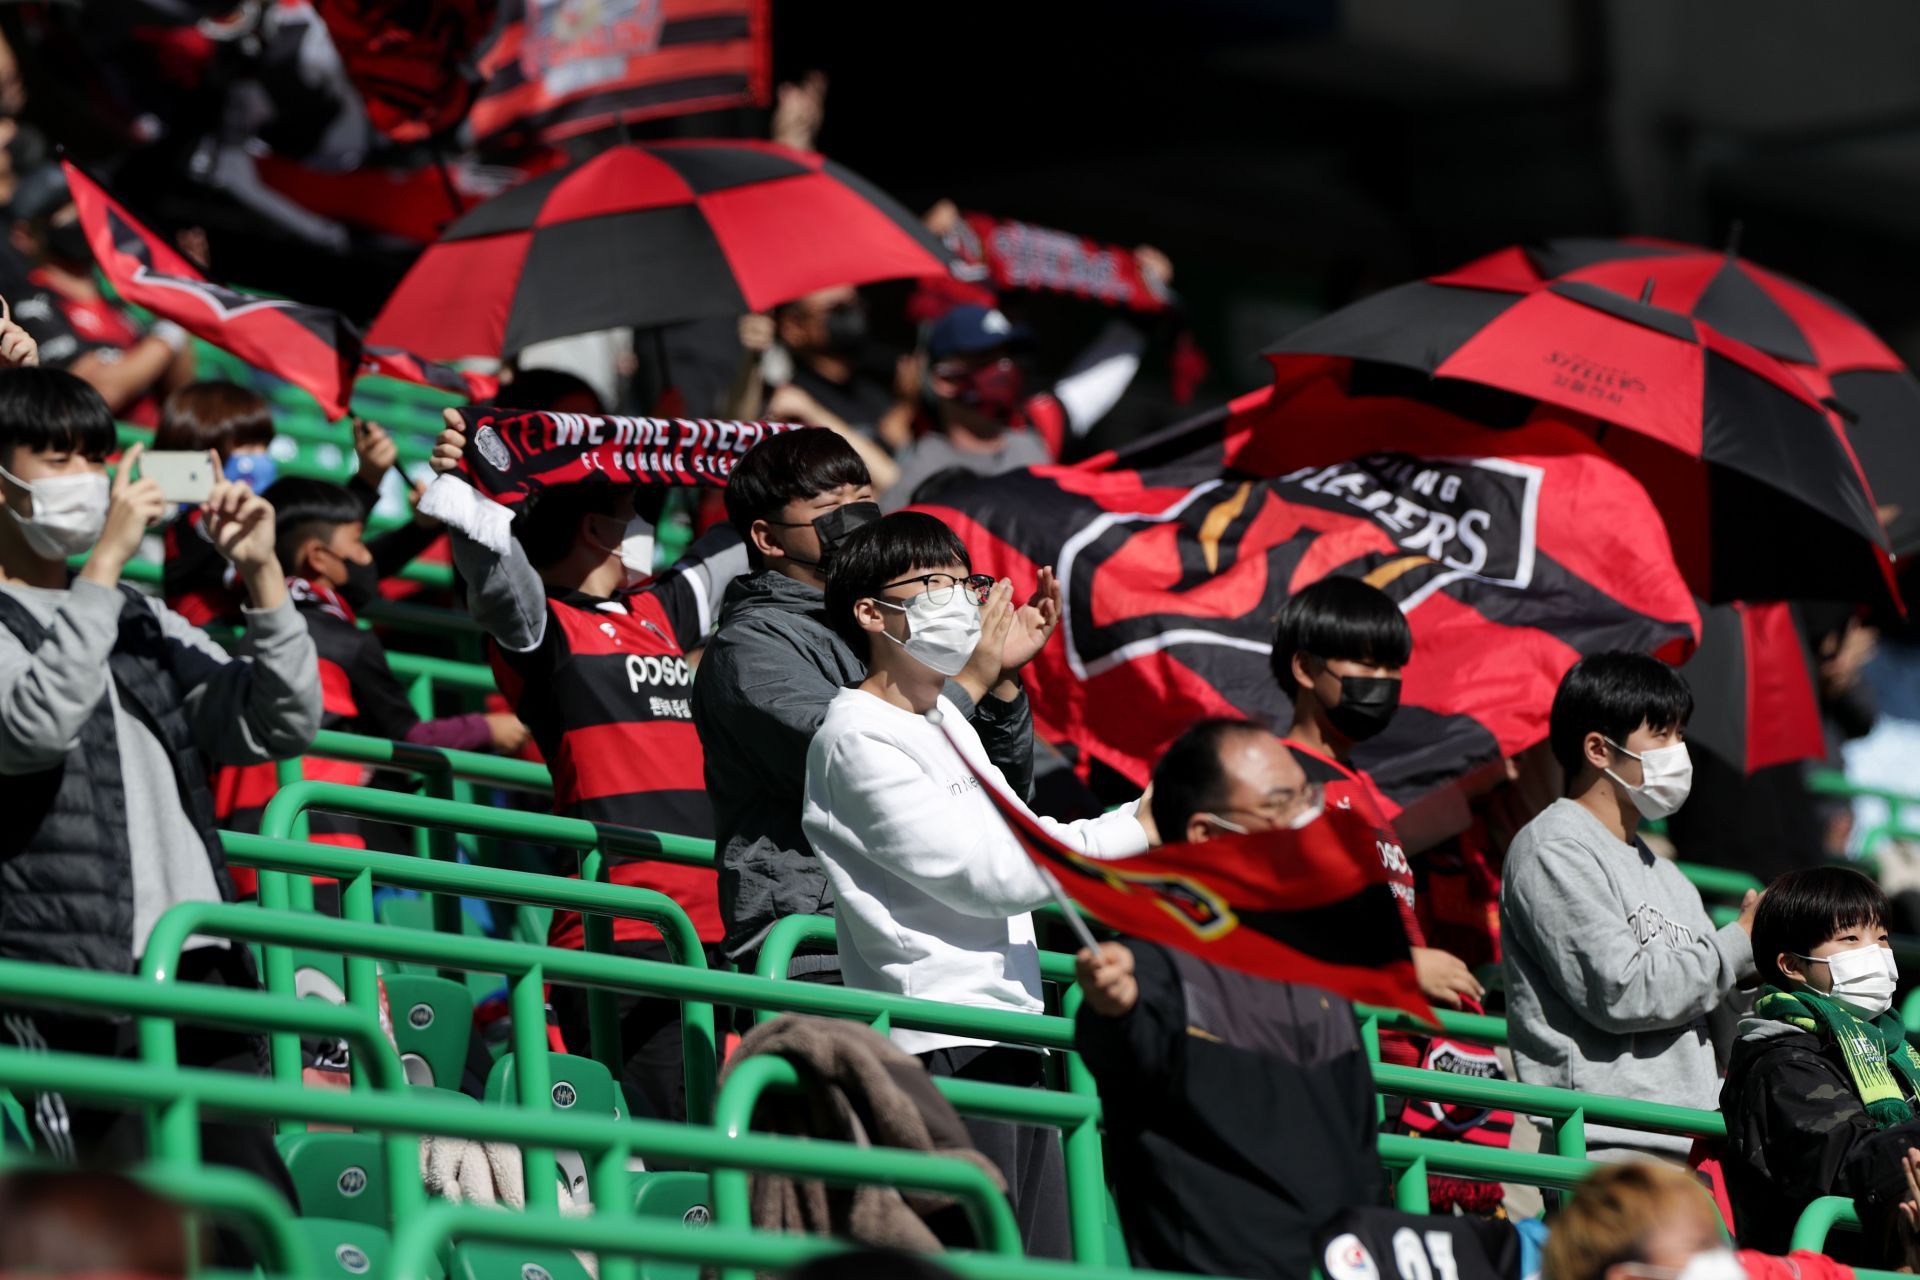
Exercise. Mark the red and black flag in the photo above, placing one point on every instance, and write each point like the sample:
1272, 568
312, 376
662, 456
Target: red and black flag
316, 349
1512, 553
1310, 905
556, 69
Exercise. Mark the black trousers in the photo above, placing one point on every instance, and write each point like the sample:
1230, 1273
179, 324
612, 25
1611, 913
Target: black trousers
77, 1132
1029, 1156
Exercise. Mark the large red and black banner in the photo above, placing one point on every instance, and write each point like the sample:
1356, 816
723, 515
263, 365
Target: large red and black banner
1310, 906
555, 69
411, 60
1512, 553
315, 348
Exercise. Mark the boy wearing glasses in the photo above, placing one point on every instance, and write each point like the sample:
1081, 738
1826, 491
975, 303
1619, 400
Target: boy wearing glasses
934, 892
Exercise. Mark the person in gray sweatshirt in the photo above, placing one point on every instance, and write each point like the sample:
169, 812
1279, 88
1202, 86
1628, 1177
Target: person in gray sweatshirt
1612, 963
109, 702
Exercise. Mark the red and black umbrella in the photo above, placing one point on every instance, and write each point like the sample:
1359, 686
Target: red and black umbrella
1756, 700
1761, 493
653, 234
1832, 350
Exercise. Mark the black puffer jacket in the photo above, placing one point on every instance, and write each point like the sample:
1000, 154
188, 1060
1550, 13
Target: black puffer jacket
762, 690
1796, 1130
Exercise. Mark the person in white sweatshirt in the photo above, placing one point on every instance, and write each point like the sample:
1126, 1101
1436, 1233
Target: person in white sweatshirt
934, 892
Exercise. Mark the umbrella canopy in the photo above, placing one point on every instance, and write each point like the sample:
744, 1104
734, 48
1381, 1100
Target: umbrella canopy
1756, 699
1832, 350
1780, 508
653, 234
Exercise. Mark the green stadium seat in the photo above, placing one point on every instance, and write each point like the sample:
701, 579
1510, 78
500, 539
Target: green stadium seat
413, 911
579, 1084
686, 1198
447, 1095
344, 1250
432, 1023
514, 1262
338, 1175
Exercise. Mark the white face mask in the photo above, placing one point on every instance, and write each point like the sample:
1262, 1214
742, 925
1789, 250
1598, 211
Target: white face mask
1305, 818
941, 636
1864, 978
1666, 776
635, 551
68, 512
1709, 1264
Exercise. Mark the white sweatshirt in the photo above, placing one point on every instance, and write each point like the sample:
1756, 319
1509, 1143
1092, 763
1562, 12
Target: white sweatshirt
933, 890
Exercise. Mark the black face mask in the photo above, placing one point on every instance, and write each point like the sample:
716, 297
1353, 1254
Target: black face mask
68, 242
834, 526
1366, 704
362, 586
847, 329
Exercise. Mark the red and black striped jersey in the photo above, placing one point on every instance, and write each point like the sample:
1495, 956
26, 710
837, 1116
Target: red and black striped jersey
358, 694
606, 695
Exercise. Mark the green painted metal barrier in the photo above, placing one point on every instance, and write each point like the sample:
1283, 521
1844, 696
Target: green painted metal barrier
1072, 1113
537, 1131
1719, 882
460, 880
443, 672
420, 1241
406, 757
528, 967
1819, 1218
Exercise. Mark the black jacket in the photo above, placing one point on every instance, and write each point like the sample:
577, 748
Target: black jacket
1239, 1113
66, 880
764, 686
1796, 1130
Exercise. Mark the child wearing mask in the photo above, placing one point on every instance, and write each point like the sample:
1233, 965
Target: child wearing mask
331, 575
1338, 652
934, 893
236, 424
1612, 963
1822, 1090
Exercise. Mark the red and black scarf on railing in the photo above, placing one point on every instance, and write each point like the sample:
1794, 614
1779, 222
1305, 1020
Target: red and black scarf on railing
512, 455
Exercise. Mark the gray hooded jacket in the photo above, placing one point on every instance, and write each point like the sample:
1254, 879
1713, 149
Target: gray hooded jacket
763, 688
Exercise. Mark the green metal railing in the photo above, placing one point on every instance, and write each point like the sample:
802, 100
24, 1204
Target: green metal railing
1903, 810
421, 1240
406, 757
538, 1131
291, 858
1819, 1219
158, 1006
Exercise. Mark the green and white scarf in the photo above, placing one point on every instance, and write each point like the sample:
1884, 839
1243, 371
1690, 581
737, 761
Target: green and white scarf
1884, 1067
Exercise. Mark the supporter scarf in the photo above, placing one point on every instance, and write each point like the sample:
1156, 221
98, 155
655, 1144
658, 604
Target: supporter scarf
1874, 1051
514, 455
1019, 255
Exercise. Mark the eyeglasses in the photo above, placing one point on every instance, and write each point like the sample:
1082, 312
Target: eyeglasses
1284, 806
941, 586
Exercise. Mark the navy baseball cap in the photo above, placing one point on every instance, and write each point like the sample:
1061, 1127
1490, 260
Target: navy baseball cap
969, 329
40, 192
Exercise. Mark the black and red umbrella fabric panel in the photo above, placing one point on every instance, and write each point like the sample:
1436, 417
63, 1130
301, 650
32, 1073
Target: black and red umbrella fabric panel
646, 235
1764, 499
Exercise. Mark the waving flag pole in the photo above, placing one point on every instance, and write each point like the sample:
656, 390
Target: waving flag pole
1310, 906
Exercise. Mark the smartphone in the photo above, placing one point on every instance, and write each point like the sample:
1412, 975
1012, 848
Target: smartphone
185, 476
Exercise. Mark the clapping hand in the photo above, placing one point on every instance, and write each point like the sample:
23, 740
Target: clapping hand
1033, 624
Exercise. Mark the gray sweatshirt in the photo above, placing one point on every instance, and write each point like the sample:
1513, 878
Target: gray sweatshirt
263, 704
1612, 965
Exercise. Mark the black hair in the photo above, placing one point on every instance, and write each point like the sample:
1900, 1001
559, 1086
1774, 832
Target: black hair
1614, 694
214, 415
305, 508
543, 389
870, 557
49, 409
1190, 778
546, 528
793, 464
1803, 909
1339, 618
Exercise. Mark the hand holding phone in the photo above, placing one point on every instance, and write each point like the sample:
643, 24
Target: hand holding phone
185, 476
